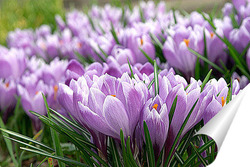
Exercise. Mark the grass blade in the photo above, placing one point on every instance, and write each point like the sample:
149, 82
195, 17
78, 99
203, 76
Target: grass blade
132, 73
8, 142
172, 110
149, 146
199, 156
156, 79
206, 60
150, 60
114, 34
54, 135
179, 134
67, 161
206, 80
116, 158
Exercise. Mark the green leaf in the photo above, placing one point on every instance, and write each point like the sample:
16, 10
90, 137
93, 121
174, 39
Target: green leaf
132, 73
67, 161
26, 138
54, 135
206, 60
114, 34
206, 80
172, 110
147, 56
149, 146
104, 53
156, 79
175, 20
129, 153
197, 69
8, 142
156, 40
115, 156
177, 138
102, 59
124, 154
205, 50
245, 50
142, 15
200, 150
26, 144
83, 131
204, 162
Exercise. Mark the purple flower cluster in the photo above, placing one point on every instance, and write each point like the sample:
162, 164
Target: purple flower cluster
105, 104
101, 95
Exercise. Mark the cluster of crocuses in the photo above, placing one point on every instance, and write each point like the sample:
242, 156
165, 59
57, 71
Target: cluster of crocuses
92, 35
110, 94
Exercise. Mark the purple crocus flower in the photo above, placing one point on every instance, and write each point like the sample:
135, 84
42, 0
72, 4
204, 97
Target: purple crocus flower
219, 91
136, 40
12, 63
215, 47
31, 97
243, 81
121, 54
22, 39
155, 114
7, 94
43, 31
240, 37
176, 49
116, 108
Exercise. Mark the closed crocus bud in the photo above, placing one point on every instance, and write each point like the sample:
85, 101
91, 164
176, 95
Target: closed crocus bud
227, 9
54, 72
32, 99
155, 114
119, 106
239, 3
60, 23
7, 94
122, 55
74, 70
77, 22
22, 39
240, 37
243, 81
12, 63
43, 31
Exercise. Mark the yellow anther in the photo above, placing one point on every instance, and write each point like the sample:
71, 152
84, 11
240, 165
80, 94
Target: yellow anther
55, 91
186, 41
211, 34
155, 106
141, 41
223, 101
7, 84
113, 95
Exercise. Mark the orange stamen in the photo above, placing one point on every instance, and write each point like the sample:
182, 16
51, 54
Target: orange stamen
37, 92
211, 34
186, 41
55, 91
223, 101
141, 41
79, 45
7, 84
113, 95
155, 106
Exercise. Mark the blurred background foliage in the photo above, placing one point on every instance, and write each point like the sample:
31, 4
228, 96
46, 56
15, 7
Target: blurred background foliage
33, 13
27, 14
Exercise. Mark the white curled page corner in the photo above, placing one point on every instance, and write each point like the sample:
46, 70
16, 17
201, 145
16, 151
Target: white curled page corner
236, 116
